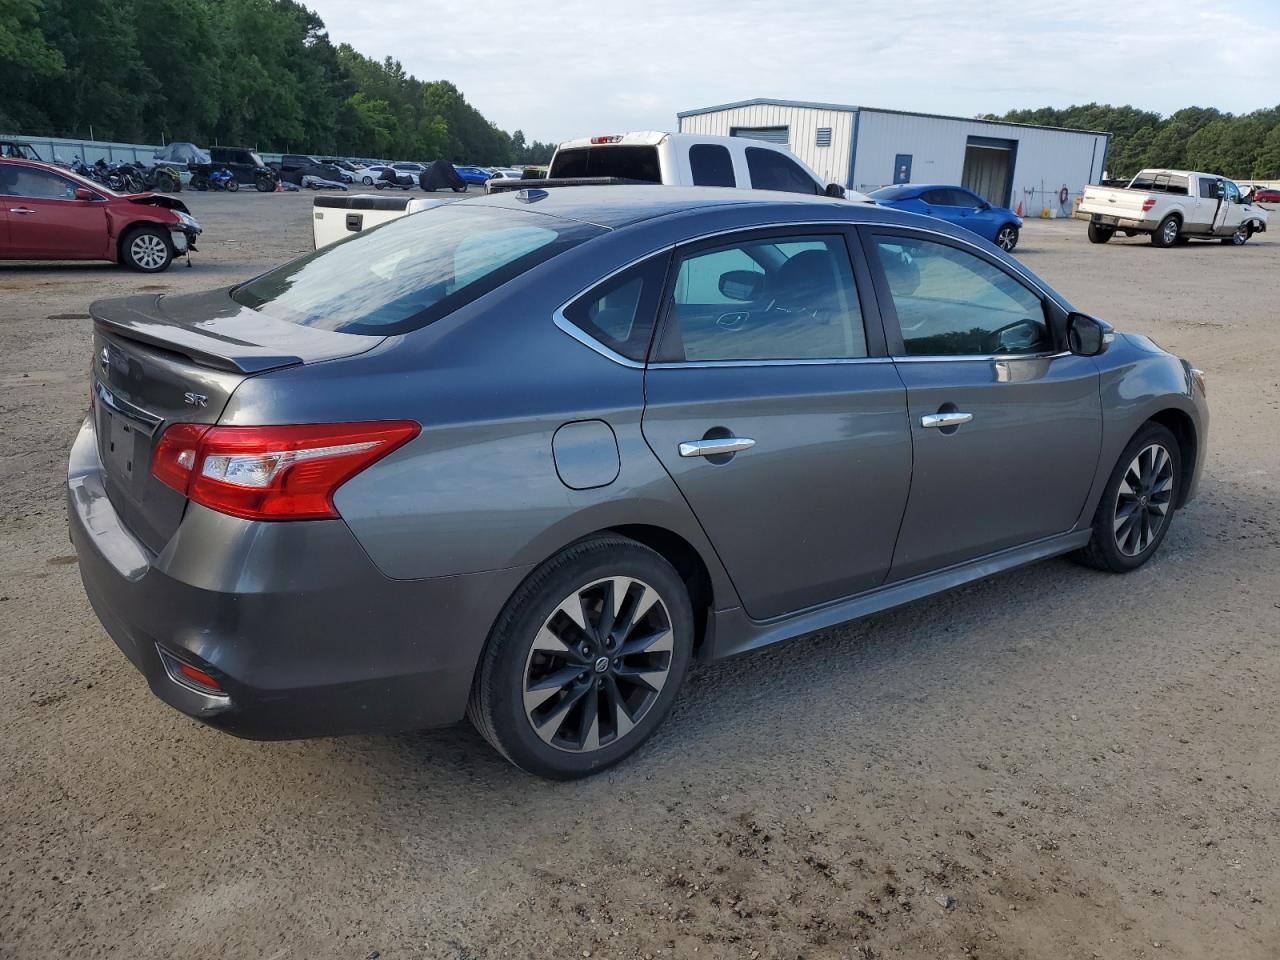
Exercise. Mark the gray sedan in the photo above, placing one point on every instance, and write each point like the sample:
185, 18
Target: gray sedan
524, 457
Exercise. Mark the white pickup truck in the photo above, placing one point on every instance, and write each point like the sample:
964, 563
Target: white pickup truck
1172, 206
680, 159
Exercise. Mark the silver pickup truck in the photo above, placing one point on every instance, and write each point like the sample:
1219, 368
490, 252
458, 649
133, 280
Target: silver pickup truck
1172, 206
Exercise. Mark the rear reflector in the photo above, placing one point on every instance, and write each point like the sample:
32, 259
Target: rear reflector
198, 676
1148, 203
273, 473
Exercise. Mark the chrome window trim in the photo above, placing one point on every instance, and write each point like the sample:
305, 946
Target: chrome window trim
577, 333
994, 357
798, 362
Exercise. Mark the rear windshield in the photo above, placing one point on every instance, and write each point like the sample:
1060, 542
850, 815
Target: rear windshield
411, 271
626, 163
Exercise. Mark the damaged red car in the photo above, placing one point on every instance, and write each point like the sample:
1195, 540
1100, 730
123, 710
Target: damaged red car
48, 213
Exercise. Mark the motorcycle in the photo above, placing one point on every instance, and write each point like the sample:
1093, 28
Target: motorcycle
214, 178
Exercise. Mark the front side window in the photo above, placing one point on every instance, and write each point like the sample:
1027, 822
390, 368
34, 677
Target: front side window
412, 271
711, 165
952, 303
619, 312
771, 170
790, 298
17, 181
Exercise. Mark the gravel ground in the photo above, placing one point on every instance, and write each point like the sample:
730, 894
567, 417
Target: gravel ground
1053, 763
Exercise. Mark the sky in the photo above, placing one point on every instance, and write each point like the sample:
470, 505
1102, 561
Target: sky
570, 68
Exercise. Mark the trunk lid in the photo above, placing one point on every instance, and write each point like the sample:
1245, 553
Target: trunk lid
161, 360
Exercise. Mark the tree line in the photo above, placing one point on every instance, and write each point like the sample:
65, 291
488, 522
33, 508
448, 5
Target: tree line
258, 73
1244, 146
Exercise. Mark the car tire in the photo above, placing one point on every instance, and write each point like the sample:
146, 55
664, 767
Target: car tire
461, 189
367, 181
1166, 234
1007, 237
1240, 237
1137, 504
264, 184
146, 249
1099, 234
554, 696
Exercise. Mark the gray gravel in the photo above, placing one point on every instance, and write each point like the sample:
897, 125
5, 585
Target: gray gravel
1053, 763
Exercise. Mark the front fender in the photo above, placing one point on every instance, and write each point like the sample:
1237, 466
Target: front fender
1138, 381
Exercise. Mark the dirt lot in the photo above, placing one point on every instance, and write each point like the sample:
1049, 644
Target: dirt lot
1055, 763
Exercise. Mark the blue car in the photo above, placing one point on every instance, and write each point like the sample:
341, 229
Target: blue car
473, 174
956, 205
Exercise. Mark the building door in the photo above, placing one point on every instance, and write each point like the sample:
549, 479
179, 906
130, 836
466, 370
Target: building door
988, 169
902, 168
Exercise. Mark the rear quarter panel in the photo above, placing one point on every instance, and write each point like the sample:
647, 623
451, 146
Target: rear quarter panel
479, 490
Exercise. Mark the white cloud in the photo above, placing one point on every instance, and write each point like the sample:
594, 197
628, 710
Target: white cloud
576, 67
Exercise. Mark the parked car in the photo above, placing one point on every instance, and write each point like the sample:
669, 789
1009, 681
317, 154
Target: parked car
295, 166
525, 456
505, 173
408, 168
679, 159
1172, 206
245, 164
1264, 194
52, 214
473, 174
956, 205
350, 172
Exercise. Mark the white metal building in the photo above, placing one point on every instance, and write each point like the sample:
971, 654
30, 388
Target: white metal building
866, 148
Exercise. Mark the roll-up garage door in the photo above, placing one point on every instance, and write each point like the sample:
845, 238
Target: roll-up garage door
988, 168
767, 134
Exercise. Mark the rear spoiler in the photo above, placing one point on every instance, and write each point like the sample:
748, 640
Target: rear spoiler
510, 186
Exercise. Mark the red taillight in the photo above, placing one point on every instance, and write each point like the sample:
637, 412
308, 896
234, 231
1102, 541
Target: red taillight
273, 473
1148, 203
615, 138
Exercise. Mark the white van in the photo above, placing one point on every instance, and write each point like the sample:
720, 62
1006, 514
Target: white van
681, 159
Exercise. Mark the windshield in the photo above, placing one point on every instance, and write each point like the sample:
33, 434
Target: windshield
411, 271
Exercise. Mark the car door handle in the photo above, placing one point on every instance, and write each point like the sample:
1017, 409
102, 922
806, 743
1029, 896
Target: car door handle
945, 419
21, 210
715, 448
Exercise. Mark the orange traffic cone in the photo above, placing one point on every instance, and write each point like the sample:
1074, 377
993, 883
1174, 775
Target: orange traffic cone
1019, 210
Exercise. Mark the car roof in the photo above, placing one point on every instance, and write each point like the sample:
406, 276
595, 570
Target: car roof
620, 206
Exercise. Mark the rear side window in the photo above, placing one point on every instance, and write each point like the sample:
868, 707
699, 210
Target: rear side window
619, 312
771, 170
623, 162
411, 271
711, 165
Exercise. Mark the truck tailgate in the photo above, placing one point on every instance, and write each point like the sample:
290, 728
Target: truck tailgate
1116, 202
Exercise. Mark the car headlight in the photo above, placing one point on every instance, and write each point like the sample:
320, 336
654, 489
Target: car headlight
187, 220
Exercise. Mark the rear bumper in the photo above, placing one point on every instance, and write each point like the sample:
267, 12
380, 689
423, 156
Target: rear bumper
1122, 223
303, 633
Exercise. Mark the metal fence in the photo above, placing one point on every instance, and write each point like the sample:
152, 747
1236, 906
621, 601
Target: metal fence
66, 149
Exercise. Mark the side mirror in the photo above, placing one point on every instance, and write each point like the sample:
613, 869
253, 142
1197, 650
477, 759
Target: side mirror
1088, 336
834, 190
84, 193
741, 285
